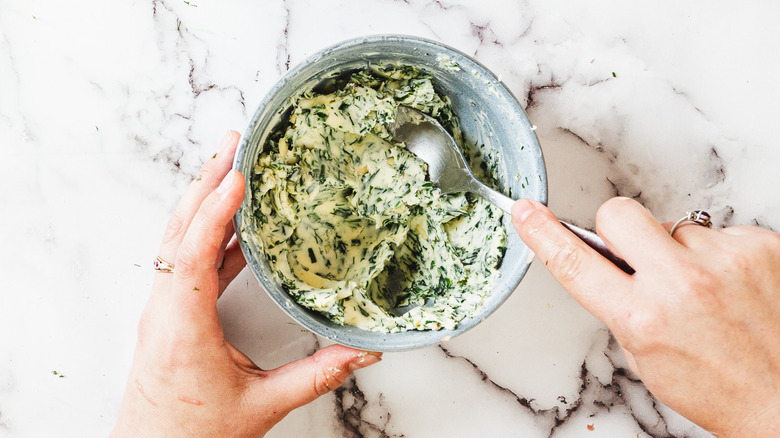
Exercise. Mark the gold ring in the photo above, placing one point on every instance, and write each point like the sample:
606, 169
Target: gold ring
162, 266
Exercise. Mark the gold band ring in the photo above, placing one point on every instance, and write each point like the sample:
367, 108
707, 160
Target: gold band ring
161, 265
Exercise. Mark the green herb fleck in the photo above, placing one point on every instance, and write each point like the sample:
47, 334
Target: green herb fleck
195, 288
614, 75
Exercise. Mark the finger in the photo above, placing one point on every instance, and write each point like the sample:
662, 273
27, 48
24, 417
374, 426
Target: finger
631, 362
212, 172
229, 233
746, 230
195, 279
302, 381
591, 279
688, 235
635, 234
234, 263
242, 360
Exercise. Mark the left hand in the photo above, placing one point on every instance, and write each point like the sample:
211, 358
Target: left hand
186, 378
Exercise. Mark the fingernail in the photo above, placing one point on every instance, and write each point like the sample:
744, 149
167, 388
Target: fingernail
226, 184
364, 359
521, 209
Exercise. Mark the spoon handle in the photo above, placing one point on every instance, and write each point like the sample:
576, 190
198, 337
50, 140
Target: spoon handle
590, 238
595, 242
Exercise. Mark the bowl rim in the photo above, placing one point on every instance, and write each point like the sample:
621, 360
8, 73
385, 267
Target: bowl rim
281, 84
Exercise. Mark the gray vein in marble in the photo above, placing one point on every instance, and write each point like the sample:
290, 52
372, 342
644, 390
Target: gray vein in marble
707, 172
593, 396
441, 5
628, 390
350, 402
716, 171
621, 183
762, 224
7, 385
315, 343
191, 58
598, 146
283, 46
197, 89
726, 216
685, 95
545, 418
11, 63
533, 89
173, 153
621, 188
485, 35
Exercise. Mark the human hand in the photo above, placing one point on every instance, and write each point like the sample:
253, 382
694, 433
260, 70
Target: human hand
699, 321
186, 378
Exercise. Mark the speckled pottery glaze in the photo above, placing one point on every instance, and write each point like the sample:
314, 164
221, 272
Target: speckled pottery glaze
488, 113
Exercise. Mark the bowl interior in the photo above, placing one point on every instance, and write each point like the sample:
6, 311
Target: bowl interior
488, 113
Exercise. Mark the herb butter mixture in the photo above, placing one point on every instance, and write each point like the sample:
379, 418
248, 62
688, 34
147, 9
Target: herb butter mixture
350, 224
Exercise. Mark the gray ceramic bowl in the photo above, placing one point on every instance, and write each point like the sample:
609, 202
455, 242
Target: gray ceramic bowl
488, 114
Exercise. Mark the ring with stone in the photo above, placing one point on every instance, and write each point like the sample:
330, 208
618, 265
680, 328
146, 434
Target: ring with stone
162, 266
698, 217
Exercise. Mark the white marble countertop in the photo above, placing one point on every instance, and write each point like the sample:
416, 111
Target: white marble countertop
107, 110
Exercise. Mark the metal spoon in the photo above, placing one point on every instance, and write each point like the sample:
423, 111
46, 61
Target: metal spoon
447, 168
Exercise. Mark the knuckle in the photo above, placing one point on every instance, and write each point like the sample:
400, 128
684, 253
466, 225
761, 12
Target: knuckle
697, 282
568, 263
641, 331
739, 260
175, 229
175, 356
143, 330
187, 262
536, 227
536, 219
206, 171
563, 257
328, 378
769, 243
182, 348
615, 208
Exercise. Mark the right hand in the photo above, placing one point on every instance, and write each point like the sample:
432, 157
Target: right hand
699, 321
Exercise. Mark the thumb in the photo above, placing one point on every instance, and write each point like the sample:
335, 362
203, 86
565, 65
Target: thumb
591, 279
302, 381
